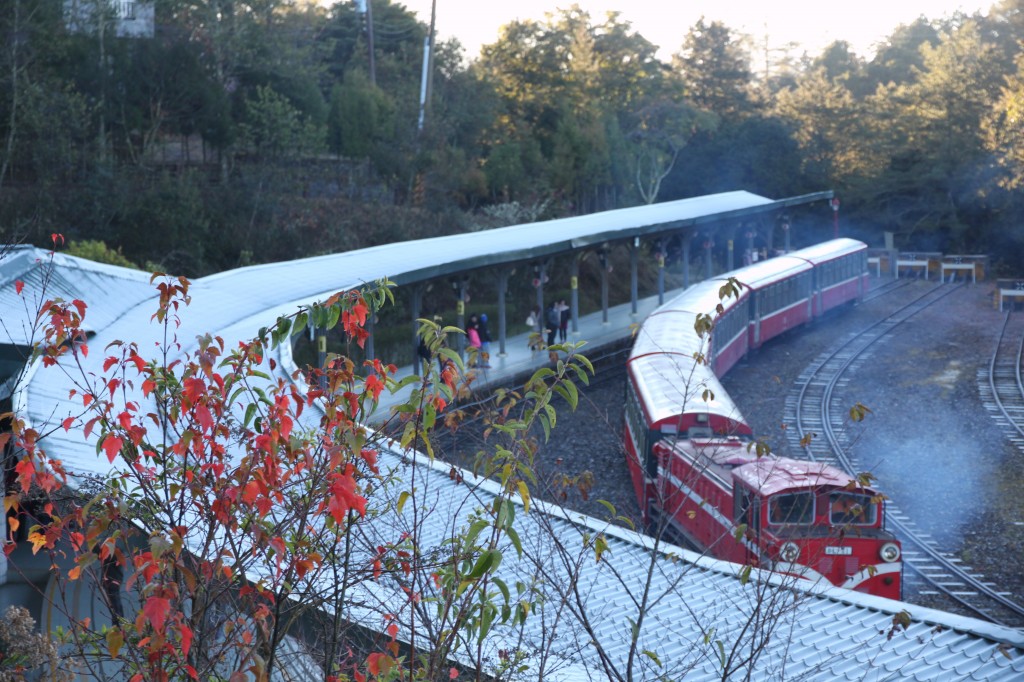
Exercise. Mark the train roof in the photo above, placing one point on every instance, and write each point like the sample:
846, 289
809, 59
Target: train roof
671, 384
770, 475
769, 271
826, 251
670, 328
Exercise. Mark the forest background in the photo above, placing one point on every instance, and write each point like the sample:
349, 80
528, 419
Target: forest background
248, 132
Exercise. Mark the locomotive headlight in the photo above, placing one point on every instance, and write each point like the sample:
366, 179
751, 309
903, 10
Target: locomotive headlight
789, 552
890, 552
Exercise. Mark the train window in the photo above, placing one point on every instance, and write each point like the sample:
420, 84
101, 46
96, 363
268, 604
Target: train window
852, 509
747, 508
791, 508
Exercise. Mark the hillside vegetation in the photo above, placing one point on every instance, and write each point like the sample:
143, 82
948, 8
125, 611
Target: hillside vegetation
246, 132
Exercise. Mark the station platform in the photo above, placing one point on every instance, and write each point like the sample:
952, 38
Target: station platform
520, 361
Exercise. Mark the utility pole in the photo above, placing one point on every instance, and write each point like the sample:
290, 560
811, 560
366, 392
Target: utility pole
428, 69
369, 39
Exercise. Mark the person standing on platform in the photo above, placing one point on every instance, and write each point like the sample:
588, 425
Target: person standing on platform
485, 341
552, 319
473, 339
563, 321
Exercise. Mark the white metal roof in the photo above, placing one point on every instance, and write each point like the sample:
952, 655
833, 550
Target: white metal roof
826, 633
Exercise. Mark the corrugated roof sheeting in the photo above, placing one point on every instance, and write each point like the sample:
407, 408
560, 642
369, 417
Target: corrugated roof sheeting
822, 633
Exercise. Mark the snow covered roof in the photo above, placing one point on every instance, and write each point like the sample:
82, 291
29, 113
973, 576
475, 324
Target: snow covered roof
822, 632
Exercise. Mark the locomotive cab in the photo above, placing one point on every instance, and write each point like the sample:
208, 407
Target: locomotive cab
809, 520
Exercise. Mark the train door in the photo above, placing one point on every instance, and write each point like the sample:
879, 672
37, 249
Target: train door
747, 512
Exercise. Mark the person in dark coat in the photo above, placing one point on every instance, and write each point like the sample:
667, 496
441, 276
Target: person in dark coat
563, 320
485, 341
552, 319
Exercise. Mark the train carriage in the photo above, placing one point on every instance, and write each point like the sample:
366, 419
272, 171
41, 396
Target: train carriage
840, 273
780, 296
688, 446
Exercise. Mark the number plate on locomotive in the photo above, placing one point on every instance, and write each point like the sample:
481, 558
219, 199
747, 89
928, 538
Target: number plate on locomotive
839, 551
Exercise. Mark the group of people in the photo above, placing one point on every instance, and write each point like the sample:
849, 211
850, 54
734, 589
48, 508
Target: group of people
479, 337
556, 321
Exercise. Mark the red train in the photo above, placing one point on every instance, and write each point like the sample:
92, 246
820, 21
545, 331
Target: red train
688, 446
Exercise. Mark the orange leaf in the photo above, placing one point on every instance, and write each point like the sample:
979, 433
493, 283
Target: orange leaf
18, 286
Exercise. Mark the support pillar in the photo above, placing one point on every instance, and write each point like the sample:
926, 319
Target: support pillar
502, 292
417, 312
729, 266
321, 355
687, 238
634, 266
542, 273
574, 298
660, 258
602, 259
708, 244
460, 314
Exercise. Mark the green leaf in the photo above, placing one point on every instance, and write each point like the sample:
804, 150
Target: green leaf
513, 537
332, 316
300, 323
653, 656
250, 411
571, 394
745, 574
284, 325
474, 532
484, 563
500, 584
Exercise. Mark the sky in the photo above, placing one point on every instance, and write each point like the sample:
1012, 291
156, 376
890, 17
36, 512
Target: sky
812, 23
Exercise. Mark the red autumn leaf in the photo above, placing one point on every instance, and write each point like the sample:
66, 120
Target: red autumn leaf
203, 417
374, 385
186, 639
18, 286
25, 469
373, 663
140, 364
193, 388
112, 446
109, 362
155, 610
79, 306
67, 423
148, 386
84, 350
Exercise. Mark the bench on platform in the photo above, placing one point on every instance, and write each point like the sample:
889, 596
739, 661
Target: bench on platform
913, 261
1010, 289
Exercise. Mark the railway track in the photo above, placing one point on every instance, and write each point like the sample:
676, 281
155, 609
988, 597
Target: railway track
1001, 388
820, 432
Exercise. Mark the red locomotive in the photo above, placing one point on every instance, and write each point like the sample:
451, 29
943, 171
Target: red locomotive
688, 445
